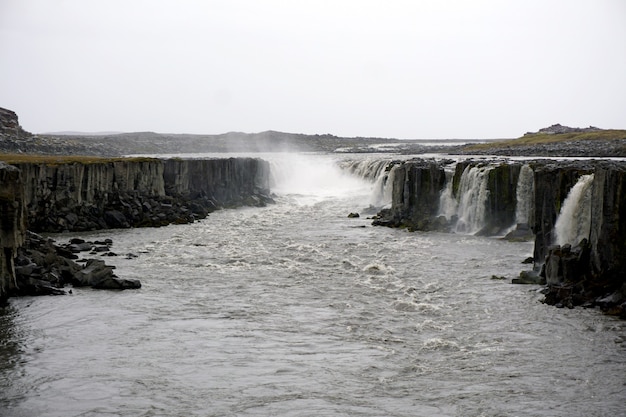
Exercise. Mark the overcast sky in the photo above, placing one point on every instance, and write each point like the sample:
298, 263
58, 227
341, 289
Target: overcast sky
404, 69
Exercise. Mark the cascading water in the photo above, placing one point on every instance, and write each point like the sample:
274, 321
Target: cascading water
574, 221
313, 178
448, 205
525, 194
472, 198
378, 171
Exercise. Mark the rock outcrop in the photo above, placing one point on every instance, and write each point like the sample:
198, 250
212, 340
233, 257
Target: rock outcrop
416, 191
557, 129
10, 128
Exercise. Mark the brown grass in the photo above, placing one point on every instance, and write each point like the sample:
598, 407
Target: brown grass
19, 158
543, 138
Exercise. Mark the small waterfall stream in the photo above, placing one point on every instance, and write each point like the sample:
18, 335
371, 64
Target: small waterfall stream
472, 196
448, 205
525, 195
378, 171
467, 208
574, 221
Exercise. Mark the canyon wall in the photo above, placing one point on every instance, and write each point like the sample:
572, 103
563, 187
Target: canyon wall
483, 197
137, 192
100, 194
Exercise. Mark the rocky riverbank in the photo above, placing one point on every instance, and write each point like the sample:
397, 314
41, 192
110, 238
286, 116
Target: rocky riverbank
43, 267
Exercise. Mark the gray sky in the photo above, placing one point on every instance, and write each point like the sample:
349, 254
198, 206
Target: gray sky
403, 69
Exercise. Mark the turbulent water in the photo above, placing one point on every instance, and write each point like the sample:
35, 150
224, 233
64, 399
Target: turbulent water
296, 310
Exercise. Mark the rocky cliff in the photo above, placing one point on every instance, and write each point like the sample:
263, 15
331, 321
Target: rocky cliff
444, 195
100, 194
416, 189
12, 225
10, 128
580, 249
225, 182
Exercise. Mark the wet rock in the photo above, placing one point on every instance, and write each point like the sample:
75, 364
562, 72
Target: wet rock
529, 277
80, 247
353, 215
35, 287
115, 219
115, 283
93, 273
521, 233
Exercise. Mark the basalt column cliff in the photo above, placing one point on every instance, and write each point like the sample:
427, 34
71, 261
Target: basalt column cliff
574, 211
82, 196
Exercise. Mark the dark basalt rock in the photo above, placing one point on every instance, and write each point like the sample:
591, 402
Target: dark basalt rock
417, 186
45, 268
115, 283
529, 277
143, 193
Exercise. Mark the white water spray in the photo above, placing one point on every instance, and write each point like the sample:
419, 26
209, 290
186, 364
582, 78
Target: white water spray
379, 172
448, 205
525, 195
473, 194
312, 178
574, 221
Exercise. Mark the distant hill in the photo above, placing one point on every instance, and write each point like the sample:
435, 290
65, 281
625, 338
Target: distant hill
118, 144
76, 133
558, 140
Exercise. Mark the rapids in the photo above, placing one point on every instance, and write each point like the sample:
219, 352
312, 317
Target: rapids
296, 310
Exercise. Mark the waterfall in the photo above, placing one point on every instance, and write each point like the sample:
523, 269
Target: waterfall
574, 221
525, 195
472, 198
378, 171
448, 205
314, 178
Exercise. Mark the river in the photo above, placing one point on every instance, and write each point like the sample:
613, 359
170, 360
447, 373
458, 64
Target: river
295, 309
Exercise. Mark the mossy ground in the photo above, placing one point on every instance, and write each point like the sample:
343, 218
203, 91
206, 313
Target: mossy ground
65, 159
545, 138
